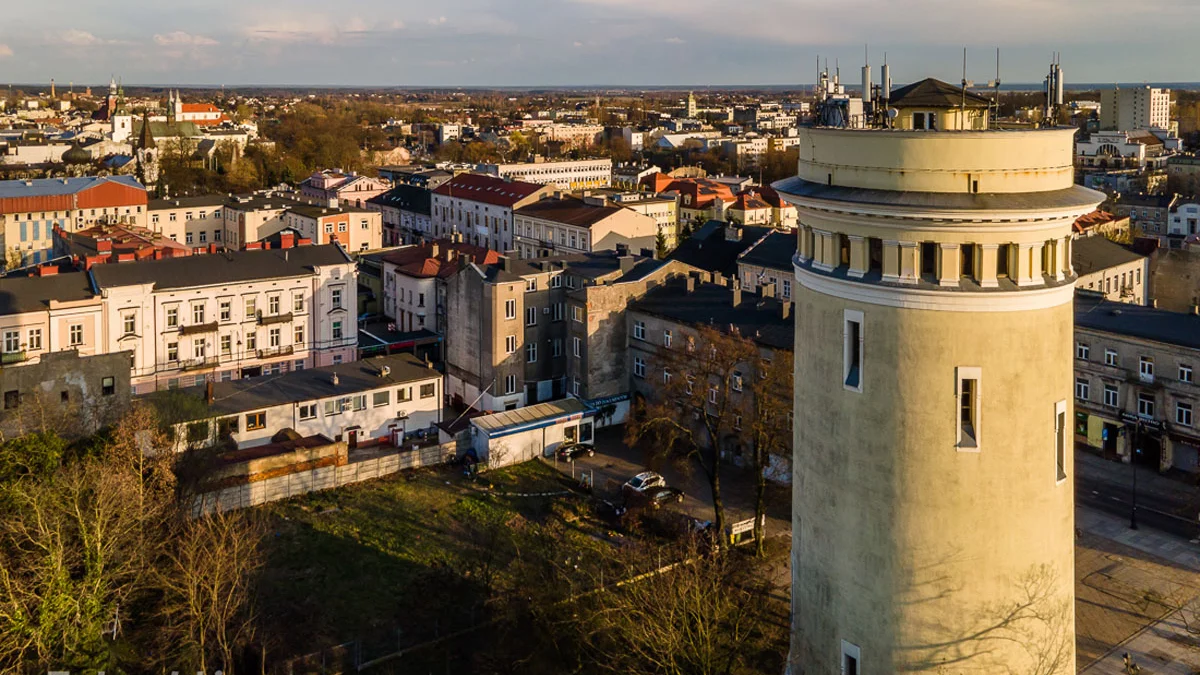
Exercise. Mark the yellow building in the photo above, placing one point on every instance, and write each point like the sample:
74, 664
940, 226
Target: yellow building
933, 396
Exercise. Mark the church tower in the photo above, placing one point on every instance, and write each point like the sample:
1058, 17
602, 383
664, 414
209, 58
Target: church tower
933, 504
691, 105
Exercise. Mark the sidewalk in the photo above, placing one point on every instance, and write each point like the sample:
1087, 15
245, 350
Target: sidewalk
1178, 551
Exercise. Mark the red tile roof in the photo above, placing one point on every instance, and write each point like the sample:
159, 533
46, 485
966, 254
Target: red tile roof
488, 189
423, 261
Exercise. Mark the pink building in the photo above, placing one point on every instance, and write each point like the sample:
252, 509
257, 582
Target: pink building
349, 189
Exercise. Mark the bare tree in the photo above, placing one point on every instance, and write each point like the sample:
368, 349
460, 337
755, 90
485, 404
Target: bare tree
699, 406
770, 418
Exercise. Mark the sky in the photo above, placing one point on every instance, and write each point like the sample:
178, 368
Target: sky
692, 43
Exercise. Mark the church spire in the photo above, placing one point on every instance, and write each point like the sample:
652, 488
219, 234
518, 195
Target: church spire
146, 137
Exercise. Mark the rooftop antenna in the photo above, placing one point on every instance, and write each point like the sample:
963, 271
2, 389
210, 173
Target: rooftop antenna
995, 86
963, 111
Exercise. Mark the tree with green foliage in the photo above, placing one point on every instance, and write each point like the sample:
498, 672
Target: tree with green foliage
660, 245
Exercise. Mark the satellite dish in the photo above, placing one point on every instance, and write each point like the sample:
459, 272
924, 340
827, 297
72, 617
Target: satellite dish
893, 113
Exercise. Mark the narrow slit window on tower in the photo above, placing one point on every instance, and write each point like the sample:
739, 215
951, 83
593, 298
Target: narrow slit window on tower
1060, 441
929, 252
851, 655
852, 350
875, 255
1002, 261
968, 260
967, 399
843, 250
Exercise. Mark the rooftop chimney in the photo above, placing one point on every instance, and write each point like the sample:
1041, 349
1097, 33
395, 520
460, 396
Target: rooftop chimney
208, 392
690, 284
733, 232
785, 309
434, 250
627, 262
505, 263
737, 293
768, 289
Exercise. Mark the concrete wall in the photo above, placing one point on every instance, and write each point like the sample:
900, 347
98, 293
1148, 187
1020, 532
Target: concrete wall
64, 392
1175, 279
905, 545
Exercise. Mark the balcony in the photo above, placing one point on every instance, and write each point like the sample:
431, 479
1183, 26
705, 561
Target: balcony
199, 364
271, 352
198, 328
10, 358
264, 320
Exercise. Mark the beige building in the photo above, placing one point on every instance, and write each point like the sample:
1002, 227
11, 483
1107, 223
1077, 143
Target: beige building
580, 225
578, 174
1135, 108
1110, 269
354, 228
934, 306
193, 221
49, 312
1139, 361
251, 218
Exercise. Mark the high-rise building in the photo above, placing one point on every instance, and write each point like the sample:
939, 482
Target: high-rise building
933, 508
1135, 108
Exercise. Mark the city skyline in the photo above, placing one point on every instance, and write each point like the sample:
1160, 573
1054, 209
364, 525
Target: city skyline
582, 42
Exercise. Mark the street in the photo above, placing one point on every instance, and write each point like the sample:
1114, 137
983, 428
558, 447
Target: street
1163, 503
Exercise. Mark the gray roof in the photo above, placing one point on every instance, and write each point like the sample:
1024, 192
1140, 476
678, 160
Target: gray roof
256, 393
532, 415
1091, 254
33, 294
774, 251
406, 198
757, 318
1075, 196
54, 187
1176, 328
256, 202
591, 266
931, 93
707, 249
184, 202
220, 268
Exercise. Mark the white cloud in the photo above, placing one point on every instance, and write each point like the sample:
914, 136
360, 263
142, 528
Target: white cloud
438, 21
319, 29
180, 38
578, 43
5, 50
674, 41
80, 38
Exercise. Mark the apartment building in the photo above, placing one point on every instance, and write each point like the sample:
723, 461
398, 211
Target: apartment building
769, 261
629, 175
579, 174
250, 218
1149, 213
226, 316
574, 135
31, 209
568, 224
528, 331
480, 208
354, 228
1184, 219
406, 211
414, 281
192, 221
348, 189
1135, 108
1112, 270
1139, 362
49, 312
377, 401
664, 210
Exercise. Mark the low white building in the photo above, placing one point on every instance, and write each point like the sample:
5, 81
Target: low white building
566, 175
380, 401
1111, 269
522, 434
1185, 219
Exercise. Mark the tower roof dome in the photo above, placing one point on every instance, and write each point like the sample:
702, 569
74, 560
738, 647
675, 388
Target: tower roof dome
76, 155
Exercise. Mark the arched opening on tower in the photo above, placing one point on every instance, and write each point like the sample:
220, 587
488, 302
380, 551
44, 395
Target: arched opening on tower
929, 252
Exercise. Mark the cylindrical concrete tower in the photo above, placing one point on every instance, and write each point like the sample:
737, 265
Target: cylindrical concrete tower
933, 522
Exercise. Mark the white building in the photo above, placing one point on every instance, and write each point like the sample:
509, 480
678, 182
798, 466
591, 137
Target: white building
195, 221
1184, 219
479, 208
228, 316
1135, 108
567, 175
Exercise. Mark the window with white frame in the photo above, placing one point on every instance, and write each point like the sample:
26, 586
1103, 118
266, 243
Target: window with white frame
35, 339
1082, 350
1146, 368
129, 324
337, 330
1060, 441
510, 384
968, 396
577, 313
575, 386
198, 348
666, 375
250, 305
851, 655
558, 310
335, 298
510, 344
274, 337
1183, 413
531, 285
298, 303
690, 383
1110, 357
510, 309
226, 309
639, 330
1111, 395
556, 281
12, 341
1145, 404
852, 350
531, 352
273, 304
639, 367
577, 346
308, 411
531, 316
172, 317
667, 337
1185, 373
172, 352
298, 335
713, 392
76, 335
1083, 388
736, 380
556, 347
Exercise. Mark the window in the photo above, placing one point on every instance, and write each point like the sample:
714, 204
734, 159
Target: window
639, 330
35, 339
172, 317
852, 350
556, 347
297, 303
510, 309
273, 304
1183, 413
12, 341
968, 408
577, 313
1111, 395
787, 288
1082, 388
360, 402
298, 335
12, 399
556, 281
333, 408
328, 228
76, 335
1146, 369
198, 349
203, 237
1145, 404
197, 314
428, 390
403, 394
737, 380
128, 324
712, 393
1060, 441
575, 386
639, 367
108, 386
226, 345
187, 238
1081, 351
510, 384
256, 421
666, 338
510, 344
335, 297
530, 285
1185, 373
273, 337
666, 375
337, 330
226, 310
558, 310
343, 227
531, 316
851, 652
1110, 357
172, 352
381, 398
577, 346
308, 411
251, 306
531, 352
690, 383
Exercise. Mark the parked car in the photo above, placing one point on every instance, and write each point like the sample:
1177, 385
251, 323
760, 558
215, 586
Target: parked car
644, 481
662, 495
569, 451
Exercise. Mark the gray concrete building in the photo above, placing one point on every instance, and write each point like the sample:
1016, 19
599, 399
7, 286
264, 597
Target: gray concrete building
65, 393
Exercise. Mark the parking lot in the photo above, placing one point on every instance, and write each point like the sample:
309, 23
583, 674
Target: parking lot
615, 462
